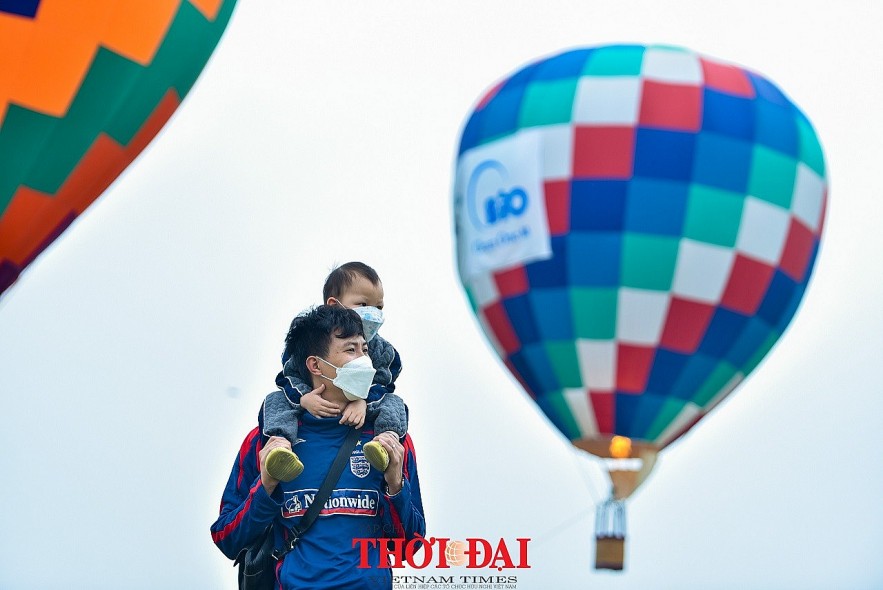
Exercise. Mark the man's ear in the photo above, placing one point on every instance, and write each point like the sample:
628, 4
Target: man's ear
312, 363
332, 300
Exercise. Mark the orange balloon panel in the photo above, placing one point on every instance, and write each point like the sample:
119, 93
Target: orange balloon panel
84, 87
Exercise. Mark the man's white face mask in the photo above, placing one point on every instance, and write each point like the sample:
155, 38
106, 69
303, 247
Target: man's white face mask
354, 378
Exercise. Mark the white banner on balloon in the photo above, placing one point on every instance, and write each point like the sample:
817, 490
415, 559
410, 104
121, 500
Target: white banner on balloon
500, 206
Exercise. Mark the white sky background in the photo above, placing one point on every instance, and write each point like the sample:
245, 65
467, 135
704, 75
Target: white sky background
136, 350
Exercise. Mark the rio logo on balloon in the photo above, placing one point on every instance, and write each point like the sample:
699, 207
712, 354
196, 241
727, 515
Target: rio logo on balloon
500, 203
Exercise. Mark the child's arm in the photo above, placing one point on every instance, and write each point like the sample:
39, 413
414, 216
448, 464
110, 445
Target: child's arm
354, 413
386, 361
318, 406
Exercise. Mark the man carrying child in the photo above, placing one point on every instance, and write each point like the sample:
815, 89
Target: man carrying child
326, 349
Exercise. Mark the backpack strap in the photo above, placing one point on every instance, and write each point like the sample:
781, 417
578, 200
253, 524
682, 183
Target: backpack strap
323, 494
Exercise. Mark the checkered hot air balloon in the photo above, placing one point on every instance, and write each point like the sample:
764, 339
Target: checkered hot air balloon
84, 87
635, 228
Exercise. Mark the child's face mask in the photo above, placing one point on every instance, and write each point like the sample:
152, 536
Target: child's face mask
372, 318
354, 378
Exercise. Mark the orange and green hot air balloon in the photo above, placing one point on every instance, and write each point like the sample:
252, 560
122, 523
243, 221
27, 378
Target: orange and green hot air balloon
635, 229
84, 87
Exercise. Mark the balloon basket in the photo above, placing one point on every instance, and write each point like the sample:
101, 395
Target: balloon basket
610, 535
609, 553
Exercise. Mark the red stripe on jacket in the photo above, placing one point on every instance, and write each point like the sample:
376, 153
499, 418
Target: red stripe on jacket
243, 453
222, 534
410, 455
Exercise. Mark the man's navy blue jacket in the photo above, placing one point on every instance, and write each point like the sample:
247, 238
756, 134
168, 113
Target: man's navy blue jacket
359, 508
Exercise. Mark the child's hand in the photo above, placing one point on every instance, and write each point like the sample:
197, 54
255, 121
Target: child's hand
354, 413
317, 405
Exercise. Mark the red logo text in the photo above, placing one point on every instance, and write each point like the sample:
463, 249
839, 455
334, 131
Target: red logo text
444, 553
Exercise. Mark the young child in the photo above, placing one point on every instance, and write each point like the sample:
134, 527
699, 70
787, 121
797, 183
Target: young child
357, 286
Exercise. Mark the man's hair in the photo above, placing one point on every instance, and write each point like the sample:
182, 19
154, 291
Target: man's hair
342, 277
311, 332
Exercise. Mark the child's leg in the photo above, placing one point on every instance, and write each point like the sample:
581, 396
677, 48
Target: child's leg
280, 419
390, 417
280, 416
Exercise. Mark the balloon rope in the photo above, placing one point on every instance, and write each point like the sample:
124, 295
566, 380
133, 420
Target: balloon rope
568, 522
590, 484
571, 520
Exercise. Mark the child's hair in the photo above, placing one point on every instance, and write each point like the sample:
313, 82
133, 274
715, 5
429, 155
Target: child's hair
340, 279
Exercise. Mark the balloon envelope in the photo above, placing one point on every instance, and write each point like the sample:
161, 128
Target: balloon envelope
84, 87
635, 227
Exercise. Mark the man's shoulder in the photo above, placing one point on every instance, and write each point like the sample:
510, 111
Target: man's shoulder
254, 440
